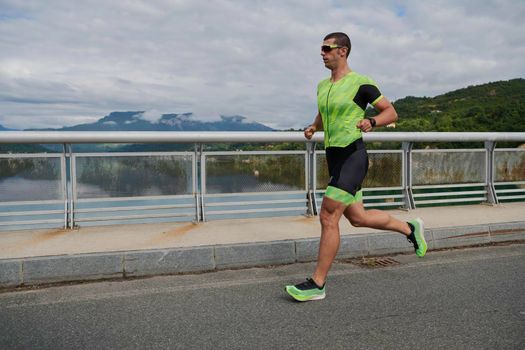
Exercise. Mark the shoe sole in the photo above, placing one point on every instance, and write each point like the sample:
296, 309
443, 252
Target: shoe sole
306, 298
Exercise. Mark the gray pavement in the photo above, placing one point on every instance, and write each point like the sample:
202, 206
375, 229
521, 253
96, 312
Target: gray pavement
47, 256
457, 299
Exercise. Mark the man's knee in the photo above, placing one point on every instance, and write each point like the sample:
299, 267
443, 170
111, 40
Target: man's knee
357, 220
326, 217
330, 216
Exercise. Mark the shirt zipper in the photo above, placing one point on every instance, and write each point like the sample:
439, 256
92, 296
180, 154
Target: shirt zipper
327, 114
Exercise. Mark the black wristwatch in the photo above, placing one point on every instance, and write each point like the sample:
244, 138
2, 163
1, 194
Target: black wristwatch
372, 121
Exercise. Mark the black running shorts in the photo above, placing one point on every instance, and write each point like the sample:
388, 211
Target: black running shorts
347, 167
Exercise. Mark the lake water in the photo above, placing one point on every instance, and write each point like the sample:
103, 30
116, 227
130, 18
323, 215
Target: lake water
17, 189
20, 189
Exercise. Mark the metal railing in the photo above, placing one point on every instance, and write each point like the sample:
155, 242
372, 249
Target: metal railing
68, 188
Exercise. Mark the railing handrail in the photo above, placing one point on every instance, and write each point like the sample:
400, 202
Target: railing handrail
76, 137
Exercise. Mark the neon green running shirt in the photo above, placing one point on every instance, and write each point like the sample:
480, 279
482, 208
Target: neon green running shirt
342, 105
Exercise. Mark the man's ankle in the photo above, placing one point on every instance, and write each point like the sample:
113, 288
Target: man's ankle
411, 228
316, 280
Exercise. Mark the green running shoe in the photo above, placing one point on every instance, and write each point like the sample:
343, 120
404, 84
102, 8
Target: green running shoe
306, 291
417, 237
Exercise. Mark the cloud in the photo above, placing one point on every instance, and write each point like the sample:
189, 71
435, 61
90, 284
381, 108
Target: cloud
152, 116
82, 60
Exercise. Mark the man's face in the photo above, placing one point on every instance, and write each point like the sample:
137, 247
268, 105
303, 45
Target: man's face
332, 57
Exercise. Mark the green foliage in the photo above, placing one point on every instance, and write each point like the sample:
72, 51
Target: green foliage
492, 107
13, 148
30, 168
497, 107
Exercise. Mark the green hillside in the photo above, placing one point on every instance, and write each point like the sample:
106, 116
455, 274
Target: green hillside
15, 148
497, 106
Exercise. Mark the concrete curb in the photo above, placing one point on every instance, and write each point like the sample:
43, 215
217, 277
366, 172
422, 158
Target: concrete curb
64, 268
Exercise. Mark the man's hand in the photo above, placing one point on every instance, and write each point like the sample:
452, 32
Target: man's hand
364, 125
309, 132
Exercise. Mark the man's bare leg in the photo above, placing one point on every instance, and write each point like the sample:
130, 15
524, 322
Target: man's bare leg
331, 212
359, 217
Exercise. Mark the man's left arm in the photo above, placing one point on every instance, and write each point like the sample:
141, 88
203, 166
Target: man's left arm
387, 115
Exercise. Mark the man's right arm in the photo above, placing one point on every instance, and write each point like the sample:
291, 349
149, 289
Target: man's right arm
315, 126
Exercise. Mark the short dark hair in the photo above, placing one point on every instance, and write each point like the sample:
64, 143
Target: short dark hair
341, 39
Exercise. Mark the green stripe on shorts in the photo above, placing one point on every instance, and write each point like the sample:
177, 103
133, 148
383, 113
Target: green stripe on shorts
342, 196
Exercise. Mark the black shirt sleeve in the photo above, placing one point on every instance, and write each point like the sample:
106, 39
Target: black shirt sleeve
366, 94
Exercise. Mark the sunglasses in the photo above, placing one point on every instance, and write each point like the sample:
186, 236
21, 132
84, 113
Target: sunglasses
328, 48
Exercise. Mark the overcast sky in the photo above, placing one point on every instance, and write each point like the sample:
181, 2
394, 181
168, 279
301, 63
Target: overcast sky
66, 62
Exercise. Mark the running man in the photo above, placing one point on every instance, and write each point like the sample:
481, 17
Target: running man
342, 100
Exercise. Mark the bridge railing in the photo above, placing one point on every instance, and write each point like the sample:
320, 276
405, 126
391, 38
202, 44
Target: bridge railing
73, 188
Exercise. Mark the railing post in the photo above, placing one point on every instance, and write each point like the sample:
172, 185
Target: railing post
72, 186
310, 164
195, 182
63, 174
407, 175
489, 172
202, 176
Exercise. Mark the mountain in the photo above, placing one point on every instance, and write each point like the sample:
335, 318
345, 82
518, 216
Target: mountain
3, 128
20, 148
495, 106
11, 148
136, 121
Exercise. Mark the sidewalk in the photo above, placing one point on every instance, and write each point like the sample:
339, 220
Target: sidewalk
46, 256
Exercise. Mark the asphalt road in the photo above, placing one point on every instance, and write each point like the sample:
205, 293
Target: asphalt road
460, 299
